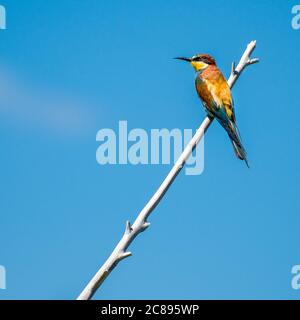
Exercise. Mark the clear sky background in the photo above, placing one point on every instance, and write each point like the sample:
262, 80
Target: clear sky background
69, 68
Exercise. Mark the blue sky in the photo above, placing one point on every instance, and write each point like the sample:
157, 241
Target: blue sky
70, 68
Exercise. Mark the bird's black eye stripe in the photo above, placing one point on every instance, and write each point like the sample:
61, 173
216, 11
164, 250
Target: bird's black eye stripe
197, 59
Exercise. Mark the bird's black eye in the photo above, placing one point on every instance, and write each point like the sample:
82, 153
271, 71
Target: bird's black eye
197, 59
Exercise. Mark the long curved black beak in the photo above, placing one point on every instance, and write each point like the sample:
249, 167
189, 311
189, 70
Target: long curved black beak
183, 58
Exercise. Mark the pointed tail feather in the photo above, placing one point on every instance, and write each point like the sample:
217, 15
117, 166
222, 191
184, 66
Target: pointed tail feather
233, 133
240, 152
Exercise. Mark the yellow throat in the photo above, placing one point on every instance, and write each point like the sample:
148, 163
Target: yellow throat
199, 65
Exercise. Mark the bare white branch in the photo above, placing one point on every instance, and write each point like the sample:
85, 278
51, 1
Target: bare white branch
128, 228
254, 60
124, 255
140, 224
233, 68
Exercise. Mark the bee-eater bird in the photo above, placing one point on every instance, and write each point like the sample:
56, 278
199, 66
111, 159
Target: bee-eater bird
214, 91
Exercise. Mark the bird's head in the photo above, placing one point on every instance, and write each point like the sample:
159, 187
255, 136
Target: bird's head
199, 61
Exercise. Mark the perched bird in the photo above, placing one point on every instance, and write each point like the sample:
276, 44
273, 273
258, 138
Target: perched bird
214, 91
